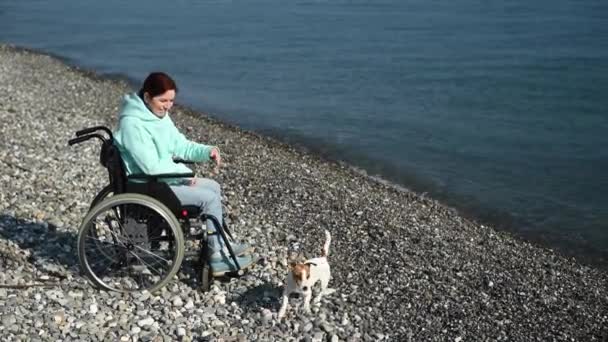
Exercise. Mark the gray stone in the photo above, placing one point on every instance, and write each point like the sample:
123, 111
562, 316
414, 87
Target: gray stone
145, 322
307, 327
177, 301
318, 337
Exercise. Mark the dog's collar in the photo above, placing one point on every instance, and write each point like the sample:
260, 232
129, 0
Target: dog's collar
310, 263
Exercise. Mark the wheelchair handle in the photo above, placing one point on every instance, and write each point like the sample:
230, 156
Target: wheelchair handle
93, 129
78, 140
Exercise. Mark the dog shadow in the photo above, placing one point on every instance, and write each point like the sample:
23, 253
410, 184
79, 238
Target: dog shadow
264, 296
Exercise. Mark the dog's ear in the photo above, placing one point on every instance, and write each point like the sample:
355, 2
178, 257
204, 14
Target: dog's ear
302, 258
292, 259
296, 258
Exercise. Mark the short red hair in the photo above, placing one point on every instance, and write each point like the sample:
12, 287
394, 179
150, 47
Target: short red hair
157, 83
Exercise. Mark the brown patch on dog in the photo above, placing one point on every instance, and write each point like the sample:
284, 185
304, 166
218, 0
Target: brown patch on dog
300, 272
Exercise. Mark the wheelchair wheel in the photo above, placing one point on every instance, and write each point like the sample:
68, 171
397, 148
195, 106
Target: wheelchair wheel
119, 250
107, 191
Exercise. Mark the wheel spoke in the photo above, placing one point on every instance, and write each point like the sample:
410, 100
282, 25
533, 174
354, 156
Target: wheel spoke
152, 254
115, 244
146, 264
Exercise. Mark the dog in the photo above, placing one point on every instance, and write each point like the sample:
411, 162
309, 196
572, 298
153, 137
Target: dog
303, 276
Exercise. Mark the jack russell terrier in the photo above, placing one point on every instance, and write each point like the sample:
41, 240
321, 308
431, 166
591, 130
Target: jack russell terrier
303, 276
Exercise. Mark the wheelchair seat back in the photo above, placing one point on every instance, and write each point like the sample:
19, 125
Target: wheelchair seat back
111, 159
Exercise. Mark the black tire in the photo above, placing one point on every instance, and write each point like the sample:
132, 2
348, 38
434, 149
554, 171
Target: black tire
206, 278
107, 191
114, 249
205, 275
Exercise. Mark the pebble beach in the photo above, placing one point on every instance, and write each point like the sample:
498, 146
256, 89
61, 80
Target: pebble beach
405, 267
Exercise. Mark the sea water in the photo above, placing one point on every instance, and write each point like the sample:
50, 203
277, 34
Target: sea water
498, 108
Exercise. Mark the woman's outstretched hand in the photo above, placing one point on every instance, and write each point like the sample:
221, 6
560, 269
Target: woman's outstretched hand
215, 155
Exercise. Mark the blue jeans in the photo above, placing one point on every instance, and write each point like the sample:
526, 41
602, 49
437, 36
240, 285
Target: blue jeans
206, 194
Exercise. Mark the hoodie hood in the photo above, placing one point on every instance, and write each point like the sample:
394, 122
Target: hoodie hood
134, 106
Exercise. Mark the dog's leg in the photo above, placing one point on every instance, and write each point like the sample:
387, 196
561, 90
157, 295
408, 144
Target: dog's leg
324, 281
284, 305
324, 289
307, 298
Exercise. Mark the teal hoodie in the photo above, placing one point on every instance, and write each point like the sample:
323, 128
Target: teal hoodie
148, 144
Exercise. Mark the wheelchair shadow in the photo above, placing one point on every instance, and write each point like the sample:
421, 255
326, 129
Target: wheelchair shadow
52, 250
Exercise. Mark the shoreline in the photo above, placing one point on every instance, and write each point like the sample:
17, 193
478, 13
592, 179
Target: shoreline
405, 266
472, 210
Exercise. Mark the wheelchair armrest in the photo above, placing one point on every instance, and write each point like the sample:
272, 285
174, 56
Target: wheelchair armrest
163, 175
183, 161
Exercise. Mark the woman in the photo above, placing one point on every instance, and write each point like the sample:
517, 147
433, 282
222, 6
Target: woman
149, 141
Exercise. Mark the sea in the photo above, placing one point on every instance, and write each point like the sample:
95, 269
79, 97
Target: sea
497, 108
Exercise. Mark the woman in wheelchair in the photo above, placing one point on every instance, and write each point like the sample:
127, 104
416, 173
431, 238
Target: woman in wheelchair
149, 142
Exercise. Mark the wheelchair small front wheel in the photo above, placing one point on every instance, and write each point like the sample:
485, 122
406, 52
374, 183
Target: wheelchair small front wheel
118, 249
205, 278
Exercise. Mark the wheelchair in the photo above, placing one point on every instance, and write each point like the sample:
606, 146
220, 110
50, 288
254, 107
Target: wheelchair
134, 236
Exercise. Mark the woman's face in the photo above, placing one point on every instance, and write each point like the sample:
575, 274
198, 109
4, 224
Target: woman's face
160, 104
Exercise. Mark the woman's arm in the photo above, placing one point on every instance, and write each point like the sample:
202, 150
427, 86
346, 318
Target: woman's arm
189, 150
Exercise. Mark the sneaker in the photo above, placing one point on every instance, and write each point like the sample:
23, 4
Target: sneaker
238, 249
226, 264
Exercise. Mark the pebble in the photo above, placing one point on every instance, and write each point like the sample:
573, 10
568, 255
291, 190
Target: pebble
145, 322
177, 301
189, 304
307, 327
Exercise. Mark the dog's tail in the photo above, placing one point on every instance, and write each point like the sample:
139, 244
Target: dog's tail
325, 251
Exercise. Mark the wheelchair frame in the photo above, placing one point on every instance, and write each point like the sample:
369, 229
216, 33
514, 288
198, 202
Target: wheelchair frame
151, 192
